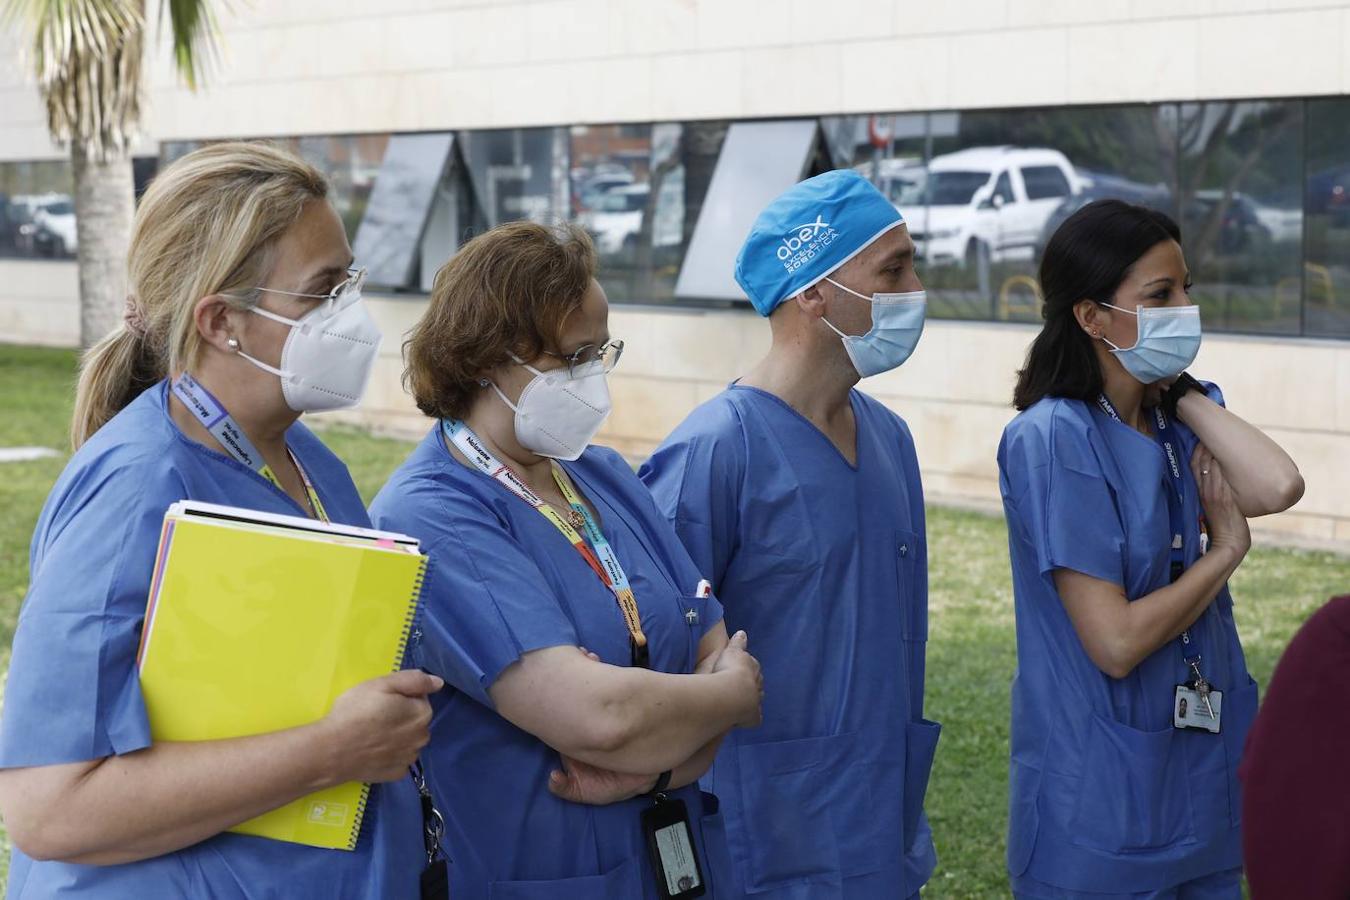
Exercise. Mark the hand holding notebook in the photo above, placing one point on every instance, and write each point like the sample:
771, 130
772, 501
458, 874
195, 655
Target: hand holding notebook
378, 726
259, 623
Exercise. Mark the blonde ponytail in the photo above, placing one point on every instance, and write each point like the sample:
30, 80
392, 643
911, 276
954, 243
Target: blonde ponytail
207, 225
112, 373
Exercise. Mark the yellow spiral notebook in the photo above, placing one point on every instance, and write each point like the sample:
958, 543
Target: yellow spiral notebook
257, 622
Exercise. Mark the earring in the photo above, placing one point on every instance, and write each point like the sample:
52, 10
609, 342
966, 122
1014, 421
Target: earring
483, 382
233, 344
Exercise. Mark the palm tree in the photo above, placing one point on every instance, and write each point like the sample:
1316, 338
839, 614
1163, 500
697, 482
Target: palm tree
87, 57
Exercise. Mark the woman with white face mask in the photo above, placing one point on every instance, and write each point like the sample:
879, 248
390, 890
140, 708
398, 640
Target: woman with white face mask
563, 772
244, 313
1127, 486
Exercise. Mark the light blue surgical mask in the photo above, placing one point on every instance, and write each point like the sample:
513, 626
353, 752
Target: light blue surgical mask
1169, 339
897, 323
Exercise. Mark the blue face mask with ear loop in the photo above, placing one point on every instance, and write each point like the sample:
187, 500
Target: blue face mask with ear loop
1168, 341
897, 324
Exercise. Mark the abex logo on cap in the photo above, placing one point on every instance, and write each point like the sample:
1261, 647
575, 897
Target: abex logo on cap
803, 241
813, 228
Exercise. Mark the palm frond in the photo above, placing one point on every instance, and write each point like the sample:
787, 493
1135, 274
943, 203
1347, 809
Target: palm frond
195, 34
87, 56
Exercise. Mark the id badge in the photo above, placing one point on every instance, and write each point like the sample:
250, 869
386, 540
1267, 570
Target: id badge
1189, 710
436, 881
670, 844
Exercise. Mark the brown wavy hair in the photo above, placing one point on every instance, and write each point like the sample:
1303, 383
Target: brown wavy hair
507, 291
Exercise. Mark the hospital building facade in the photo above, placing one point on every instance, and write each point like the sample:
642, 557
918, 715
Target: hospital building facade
663, 126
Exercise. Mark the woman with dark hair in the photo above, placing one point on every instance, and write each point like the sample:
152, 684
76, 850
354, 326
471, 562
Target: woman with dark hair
1127, 486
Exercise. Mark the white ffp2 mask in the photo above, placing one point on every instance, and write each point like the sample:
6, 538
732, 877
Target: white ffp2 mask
328, 356
557, 416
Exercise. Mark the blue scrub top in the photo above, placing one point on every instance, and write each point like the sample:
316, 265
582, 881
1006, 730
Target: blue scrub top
1104, 792
824, 564
503, 582
73, 693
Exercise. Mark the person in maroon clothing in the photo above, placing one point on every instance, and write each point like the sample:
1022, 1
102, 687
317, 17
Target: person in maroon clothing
1296, 784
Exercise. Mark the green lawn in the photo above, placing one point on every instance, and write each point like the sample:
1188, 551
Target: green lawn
971, 652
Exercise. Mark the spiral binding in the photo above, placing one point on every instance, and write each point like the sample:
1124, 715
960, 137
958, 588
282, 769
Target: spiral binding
409, 621
414, 611
359, 817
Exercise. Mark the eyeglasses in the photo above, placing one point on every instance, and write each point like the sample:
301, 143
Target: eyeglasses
607, 353
356, 277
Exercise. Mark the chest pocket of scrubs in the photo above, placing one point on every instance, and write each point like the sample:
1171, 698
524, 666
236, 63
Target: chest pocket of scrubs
694, 616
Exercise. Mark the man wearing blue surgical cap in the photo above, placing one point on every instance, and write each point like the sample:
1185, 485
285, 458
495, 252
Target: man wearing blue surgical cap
799, 496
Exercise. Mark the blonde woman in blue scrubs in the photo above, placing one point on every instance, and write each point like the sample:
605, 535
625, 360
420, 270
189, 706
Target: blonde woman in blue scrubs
243, 303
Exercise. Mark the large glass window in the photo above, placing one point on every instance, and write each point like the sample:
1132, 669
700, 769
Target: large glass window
37, 211
1326, 205
37, 207
351, 163
1241, 212
627, 191
518, 173
996, 185
1261, 190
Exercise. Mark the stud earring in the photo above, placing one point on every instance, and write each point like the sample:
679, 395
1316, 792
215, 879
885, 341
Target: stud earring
233, 344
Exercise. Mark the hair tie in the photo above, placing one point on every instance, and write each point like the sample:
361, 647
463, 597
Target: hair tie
132, 318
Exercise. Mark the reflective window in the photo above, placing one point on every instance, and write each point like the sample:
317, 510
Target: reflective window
518, 173
1261, 190
1326, 205
37, 207
628, 192
1044, 182
1241, 212
37, 213
351, 163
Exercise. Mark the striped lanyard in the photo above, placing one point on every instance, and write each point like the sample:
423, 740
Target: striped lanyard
599, 555
213, 416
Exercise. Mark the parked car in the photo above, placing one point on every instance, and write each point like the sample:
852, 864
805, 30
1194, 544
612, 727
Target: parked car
987, 203
1328, 193
1241, 226
896, 178
615, 221
1101, 186
590, 187
54, 224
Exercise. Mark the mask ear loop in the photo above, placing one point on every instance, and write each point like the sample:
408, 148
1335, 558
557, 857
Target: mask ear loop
490, 384
268, 314
1106, 340
842, 336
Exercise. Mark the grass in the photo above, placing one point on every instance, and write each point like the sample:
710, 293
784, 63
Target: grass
971, 650
972, 655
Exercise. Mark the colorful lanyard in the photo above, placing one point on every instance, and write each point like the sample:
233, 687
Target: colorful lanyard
1190, 645
600, 556
213, 416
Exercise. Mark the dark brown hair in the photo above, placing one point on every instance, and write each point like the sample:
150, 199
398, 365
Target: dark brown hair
1086, 258
507, 291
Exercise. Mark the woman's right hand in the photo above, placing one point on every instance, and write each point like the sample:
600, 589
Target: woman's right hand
1227, 525
735, 661
377, 728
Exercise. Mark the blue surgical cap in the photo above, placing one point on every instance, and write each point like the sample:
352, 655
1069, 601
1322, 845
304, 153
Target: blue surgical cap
813, 228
